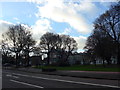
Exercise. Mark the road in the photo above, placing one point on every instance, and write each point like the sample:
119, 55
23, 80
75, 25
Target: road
0, 82
19, 79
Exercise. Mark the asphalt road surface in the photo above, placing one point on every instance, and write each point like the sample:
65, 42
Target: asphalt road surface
19, 79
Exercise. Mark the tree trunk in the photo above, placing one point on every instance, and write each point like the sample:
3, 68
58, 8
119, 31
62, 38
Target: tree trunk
61, 58
67, 56
118, 55
48, 58
83, 61
103, 63
16, 59
94, 62
108, 60
28, 59
118, 58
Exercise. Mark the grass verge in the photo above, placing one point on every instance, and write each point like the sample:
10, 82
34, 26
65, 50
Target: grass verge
110, 68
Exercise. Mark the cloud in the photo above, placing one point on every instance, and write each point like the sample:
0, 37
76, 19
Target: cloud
81, 40
38, 29
15, 18
4, 25
36, 1
88, 8
66, 31
59, 11
71, 13
41, 27
40, 1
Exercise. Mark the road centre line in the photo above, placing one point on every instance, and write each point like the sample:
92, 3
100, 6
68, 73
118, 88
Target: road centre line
26, 84
68, 81
9, 75
17, 74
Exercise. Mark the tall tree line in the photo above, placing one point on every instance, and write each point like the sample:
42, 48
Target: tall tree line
18, 40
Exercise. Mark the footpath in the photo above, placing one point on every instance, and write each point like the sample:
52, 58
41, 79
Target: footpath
79, 74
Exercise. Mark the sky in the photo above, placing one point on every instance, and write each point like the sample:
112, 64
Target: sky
70, 17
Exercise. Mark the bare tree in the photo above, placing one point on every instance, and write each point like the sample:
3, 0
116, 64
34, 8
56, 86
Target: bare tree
47, 43
109, 22
66, 47
29, 46
63, 44
100, 45
16, 38
105, 39
5, 52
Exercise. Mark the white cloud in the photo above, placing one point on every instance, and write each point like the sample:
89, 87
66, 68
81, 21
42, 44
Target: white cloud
4, 25
40, 1
38, 29
81, 40
108, 0
41, 27
87, 8
15, 18
35, 1
66, 31
59, 11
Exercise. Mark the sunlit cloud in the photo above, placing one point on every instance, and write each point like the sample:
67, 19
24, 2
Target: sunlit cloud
81, 40
59, 11
15, 18
4, 26
41, 27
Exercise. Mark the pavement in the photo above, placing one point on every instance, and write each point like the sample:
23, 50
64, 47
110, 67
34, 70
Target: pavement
79, 74
19, 79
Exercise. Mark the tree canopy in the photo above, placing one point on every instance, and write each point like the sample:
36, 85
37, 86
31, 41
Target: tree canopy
63, 44
18, 38
105, 38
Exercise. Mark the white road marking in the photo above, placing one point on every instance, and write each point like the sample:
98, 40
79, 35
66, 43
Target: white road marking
15, 77
77, 82
68, 81
8, 75
26, 84
21, 75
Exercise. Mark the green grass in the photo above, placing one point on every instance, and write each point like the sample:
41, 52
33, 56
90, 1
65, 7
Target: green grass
112, 68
